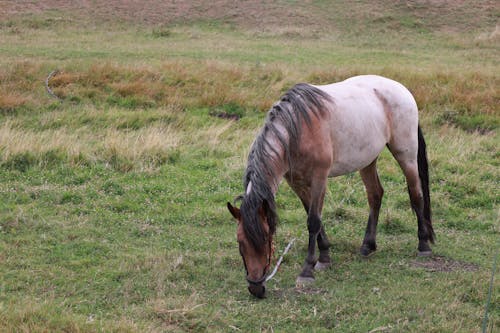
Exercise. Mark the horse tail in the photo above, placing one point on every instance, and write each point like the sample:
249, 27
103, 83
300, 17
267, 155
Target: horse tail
423, 173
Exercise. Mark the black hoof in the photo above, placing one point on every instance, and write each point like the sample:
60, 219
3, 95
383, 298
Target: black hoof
306, 276
367, 250
424, 250
304, 280
424, 253
321, 266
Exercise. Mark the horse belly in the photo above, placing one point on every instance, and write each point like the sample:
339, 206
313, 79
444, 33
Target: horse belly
346, 161
358, 137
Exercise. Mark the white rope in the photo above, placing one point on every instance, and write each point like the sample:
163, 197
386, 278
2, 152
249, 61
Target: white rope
287, 248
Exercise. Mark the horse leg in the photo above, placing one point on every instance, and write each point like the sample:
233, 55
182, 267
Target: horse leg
317, 195
410, 170
374, 193
324, 260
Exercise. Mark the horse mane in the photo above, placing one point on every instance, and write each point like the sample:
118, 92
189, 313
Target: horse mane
300, 102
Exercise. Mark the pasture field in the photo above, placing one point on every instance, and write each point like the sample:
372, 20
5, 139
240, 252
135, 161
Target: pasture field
113, 198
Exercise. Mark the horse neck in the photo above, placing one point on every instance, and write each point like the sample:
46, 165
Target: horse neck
280, 168
276, 159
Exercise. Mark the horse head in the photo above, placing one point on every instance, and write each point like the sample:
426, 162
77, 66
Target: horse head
256, 256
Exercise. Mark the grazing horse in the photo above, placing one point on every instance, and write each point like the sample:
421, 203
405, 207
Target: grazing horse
316, 132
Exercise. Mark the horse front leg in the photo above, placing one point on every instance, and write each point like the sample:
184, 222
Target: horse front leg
313, 226
316, 233
324, 260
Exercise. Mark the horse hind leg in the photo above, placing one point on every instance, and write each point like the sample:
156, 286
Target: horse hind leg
425, 230
374, 192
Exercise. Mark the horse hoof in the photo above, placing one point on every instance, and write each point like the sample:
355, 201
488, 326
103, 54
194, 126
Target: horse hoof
321, 266
366, 252
303, 280
424, 253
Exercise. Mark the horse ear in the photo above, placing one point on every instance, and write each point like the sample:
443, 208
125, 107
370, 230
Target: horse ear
234, 211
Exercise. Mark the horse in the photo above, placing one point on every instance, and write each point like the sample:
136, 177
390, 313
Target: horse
319, 131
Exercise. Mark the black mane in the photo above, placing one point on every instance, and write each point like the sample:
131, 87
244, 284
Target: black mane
300, 102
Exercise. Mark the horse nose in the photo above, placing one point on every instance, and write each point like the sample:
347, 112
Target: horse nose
258, 291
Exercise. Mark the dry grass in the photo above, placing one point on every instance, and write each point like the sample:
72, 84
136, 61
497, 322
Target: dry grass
16, 85
184, 84
180, 85
15, 141
10, 101
159, 99
143, 149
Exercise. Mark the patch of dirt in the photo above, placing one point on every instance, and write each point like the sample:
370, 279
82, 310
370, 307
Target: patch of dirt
444, 264
248, 13
287, 18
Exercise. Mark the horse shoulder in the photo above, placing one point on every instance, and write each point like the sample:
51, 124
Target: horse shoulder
316, 142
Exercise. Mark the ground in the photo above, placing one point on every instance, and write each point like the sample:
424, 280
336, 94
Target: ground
113, 199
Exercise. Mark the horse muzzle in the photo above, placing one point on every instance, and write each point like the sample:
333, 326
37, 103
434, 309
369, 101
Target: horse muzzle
257, 288
258, 291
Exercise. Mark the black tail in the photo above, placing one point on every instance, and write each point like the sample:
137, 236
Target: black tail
423, 172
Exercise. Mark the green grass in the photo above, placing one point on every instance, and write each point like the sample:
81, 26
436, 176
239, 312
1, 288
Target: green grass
112, 201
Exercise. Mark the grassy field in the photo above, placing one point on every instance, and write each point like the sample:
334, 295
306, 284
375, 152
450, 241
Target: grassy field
112, 199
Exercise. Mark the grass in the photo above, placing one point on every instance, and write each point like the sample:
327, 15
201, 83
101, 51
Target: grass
112, 201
